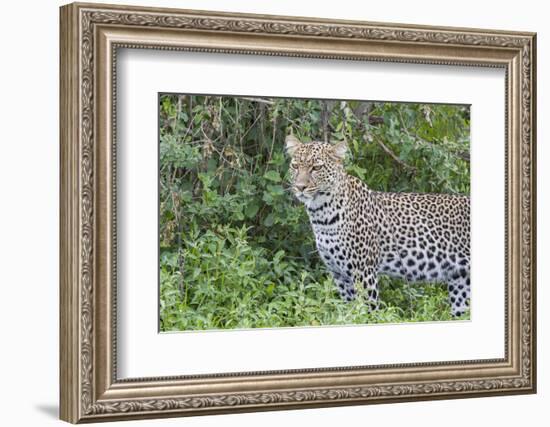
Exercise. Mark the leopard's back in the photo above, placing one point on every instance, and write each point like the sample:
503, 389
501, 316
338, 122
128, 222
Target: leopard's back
428, 236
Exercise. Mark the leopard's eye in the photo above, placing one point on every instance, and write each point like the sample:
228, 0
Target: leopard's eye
294, 165
316, 167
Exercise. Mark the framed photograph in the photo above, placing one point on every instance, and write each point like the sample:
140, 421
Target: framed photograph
266, 212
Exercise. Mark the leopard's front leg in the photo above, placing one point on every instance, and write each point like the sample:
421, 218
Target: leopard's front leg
346, 286
367, 255
368, 279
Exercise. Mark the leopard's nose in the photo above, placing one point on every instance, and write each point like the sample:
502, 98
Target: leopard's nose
300, 187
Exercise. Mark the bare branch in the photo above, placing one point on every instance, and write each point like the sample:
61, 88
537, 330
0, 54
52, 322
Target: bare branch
464, 155
390, 153
376, 120
324, 120
261, 100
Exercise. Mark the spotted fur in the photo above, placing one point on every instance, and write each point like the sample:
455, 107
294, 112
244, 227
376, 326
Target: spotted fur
361, 233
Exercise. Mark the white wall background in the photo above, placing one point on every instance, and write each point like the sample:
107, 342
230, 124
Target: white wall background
29, 170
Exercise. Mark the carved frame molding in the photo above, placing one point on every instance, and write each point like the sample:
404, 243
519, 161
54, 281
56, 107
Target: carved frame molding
90, 37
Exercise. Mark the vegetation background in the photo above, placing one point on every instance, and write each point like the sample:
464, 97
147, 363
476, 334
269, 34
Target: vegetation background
237, 250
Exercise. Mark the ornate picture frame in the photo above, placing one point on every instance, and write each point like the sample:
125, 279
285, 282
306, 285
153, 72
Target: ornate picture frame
90, 37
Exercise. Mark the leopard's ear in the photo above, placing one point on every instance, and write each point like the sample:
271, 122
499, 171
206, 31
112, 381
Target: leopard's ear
340, 150
292, 143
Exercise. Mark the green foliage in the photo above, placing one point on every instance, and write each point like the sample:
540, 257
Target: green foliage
236, 249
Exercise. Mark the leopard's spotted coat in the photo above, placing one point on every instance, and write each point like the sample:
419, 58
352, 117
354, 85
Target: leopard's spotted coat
361, 233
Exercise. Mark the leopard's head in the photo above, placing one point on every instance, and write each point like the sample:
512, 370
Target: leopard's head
315, 167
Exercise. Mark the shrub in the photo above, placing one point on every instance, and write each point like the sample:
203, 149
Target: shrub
237, 250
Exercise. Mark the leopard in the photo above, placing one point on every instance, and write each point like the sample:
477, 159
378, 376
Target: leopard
361, 233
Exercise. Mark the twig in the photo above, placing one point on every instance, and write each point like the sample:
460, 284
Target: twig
181, 283
390, 153
178, 112
261, 100
273, 136
252, 125
375, 120
324, 120
464, 155
326, 110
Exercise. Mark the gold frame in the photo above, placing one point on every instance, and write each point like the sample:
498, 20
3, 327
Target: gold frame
90, 36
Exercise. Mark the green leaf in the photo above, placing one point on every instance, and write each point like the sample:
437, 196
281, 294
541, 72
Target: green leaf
251, 210
212, 164
273, 175
267, 198
268, 221
276, 190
